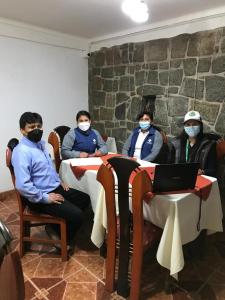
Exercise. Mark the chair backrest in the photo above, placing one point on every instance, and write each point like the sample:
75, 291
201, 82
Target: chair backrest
220, 149
164, 155
129, 225
55, 139
10, 146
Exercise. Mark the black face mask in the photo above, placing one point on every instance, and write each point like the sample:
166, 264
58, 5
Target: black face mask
35, 135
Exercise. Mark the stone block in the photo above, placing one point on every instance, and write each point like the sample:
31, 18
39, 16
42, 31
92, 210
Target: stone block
108, 72
176, 63
121, 97
119, 134
207, 110
175, 77
173, 90
96, 71
199, 92
106, 113
97, 83
110, 100
131, 125
135, 108
148, 89
220, 124
109, 56
156, 50
204, 64
120, 111
99, 59
188, 87
108, 85
177, 106
125, 56
190, 66
152, 66
98, 98
126, 83
116, 55
123, 124
96, 114
131, 70
115, 85
164, 65
120, 70
179, 45
164, 78
161, 119
215, 88
223, 46
161, 106
177, 125
152, 77
138, 52
202, 43
218, 64
139, 78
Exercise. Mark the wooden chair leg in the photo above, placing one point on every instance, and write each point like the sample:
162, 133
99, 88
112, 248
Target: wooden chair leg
110, 267
22, 243
63, 242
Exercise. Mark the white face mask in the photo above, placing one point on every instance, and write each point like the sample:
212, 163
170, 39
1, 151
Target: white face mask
84, 126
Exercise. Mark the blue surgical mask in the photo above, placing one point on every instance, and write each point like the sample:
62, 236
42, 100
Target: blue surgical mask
144, 124
192, 131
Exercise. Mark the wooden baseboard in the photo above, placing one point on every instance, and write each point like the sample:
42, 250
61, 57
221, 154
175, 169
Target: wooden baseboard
7, 194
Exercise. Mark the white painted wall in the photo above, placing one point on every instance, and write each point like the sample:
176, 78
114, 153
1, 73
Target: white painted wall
50, 80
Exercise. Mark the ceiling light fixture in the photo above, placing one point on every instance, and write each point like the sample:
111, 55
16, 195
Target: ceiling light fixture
137, 10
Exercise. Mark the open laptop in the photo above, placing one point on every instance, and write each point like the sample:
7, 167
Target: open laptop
175, 177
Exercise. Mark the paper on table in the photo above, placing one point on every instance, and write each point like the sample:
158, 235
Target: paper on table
145, 163
89, 161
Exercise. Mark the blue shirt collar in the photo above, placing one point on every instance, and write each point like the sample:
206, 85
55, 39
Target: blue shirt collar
29, 143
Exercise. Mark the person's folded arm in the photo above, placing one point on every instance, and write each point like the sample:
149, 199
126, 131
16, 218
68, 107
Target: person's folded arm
24, 185
126, 145
158, 142
67, 145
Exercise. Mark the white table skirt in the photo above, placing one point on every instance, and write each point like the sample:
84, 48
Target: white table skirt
177, 214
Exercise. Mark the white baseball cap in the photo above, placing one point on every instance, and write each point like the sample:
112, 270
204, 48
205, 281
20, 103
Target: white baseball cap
192, 115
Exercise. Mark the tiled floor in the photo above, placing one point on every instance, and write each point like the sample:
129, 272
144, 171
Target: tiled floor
82, 277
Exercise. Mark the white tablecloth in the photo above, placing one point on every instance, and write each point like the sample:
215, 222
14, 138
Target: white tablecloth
176, 213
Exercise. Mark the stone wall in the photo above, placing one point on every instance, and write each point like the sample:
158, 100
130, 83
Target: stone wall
185, 72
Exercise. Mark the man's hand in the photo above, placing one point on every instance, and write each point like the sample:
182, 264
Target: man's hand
65, 186
54, 198
83, 154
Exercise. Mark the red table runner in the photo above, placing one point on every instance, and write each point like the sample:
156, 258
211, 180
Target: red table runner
202, 188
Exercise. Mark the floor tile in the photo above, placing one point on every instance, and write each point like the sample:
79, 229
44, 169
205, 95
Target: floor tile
82, 276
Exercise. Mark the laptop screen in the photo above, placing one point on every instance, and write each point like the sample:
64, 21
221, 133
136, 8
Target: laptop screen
175, 177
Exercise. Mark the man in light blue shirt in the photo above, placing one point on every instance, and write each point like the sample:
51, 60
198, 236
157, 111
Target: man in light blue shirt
38, 182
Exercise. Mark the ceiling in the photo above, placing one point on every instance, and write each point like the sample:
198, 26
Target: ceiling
95, 18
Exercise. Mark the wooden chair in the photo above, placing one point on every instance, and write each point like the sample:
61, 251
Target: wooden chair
134, 235
11, 278
30, 219
55, 139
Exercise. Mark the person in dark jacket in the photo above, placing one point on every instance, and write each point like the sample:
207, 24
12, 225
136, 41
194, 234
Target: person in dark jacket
195, 146
83, 141
145, 141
